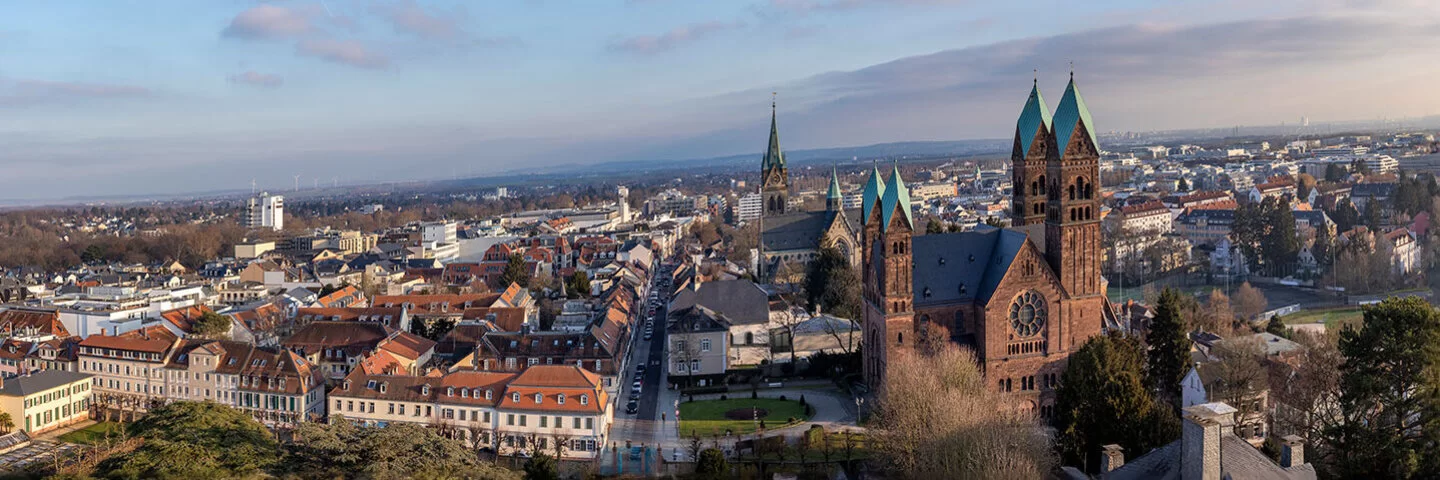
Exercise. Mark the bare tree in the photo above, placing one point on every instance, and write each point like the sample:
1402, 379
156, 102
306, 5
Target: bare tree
1306, 394
1237, 377
1249, 302
947, 424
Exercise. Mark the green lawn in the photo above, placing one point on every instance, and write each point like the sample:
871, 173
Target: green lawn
93, 433
1332, 317
707, 417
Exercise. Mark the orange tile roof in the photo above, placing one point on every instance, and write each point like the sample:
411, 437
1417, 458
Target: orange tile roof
43, 321
152, 339
184, 318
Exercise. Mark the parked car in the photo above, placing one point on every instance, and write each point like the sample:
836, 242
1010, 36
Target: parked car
632, 408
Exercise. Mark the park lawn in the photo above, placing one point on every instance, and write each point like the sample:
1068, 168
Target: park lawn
94, 433
1332, 318
707, 417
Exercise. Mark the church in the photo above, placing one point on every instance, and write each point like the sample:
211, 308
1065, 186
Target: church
790, 239
1021, 298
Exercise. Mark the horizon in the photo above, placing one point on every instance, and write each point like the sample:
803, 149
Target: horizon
204, 97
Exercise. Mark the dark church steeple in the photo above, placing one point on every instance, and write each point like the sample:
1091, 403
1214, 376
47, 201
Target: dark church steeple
774, 177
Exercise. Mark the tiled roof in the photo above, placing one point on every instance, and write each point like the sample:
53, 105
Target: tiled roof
507, 319
390, 316
40, 381
408, 345
152, 339
440, 303
42, 321
1150, 207
184, 318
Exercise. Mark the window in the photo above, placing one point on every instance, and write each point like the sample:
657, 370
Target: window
695, 366
589, 423
509, 419
449, 391
560, 399
522, 420
704, 345
575, 423
1028, 314
584, 399
488, 394
539, 398
544, 421
515, 397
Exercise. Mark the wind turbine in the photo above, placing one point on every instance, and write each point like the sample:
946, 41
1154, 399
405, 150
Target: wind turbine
297, 182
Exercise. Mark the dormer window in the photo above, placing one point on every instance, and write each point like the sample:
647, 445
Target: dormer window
449, 391
584, 399
560, 399
515, 397
489, 394
347, 385
383, 386
424, 389
539, 398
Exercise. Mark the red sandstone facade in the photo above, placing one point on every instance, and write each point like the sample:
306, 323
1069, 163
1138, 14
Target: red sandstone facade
1023, 304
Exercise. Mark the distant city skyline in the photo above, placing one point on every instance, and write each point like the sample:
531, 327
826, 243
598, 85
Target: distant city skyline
107, 98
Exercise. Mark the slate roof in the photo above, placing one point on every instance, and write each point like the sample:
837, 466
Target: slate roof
797, 231
1373, 190
40, 381
1072, 113
1034, 116
1237, 460
975, 260
741, 301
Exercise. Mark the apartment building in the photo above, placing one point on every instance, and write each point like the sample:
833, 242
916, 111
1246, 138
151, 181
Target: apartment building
45, 400
265, 211
148, 368
511, 412
337, 347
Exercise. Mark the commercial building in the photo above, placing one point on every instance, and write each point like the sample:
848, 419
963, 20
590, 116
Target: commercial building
265, 211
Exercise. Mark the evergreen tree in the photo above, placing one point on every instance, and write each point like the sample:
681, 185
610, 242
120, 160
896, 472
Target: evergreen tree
1372, 215
516, 271
1390, 393
1182, 185
1276, 326
541, 467
1280, 245
1169, 355
1102, 400
578, 286
934, 225
212, 325
1345, 215
712, 464
832, 284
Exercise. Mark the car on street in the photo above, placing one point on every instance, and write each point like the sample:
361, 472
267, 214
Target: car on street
632, 408
648, 335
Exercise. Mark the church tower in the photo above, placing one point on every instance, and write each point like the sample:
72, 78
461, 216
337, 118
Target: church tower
1072, 225
1033, 142
833, 201
889, 319
774, 177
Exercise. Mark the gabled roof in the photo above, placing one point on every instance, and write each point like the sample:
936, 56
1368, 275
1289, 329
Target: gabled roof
963, 266
896, 196
1071, 115
40, 381
874, 189
741, 301
1033, 117
43, 321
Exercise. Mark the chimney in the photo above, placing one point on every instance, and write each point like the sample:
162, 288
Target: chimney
1111, 458
1200, 440
1292, 451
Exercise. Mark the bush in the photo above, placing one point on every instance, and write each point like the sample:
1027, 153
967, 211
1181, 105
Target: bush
754, 394
782, 398
711, 464
723, 397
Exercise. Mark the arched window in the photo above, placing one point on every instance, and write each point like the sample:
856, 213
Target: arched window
899, 338
749, 338
1034, 188
1042, 183
1072, 192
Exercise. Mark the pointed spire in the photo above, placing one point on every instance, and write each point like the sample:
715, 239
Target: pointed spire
1071, 115
773, 156
1033, 116
870, 198
897, 195
834, 191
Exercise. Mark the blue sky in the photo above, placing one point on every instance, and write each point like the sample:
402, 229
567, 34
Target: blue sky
112, 97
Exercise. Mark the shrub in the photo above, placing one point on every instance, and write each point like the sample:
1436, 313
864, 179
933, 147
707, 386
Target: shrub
754, 394
782, 398
723, 397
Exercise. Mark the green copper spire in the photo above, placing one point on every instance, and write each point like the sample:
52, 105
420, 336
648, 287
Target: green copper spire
1071, 115
871, 196
1033, 117
773, 156
896, 196
834, 191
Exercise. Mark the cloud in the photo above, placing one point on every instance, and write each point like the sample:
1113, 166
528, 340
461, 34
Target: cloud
257, 79
35, 92
648, 44
346, 52
409, 18
266, 21
806, 7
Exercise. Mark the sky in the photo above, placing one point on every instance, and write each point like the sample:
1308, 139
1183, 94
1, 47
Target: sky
111, 97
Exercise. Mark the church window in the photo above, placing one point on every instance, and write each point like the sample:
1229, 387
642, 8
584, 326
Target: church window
899, 338
1034, 188
1072, 192
1028, 313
